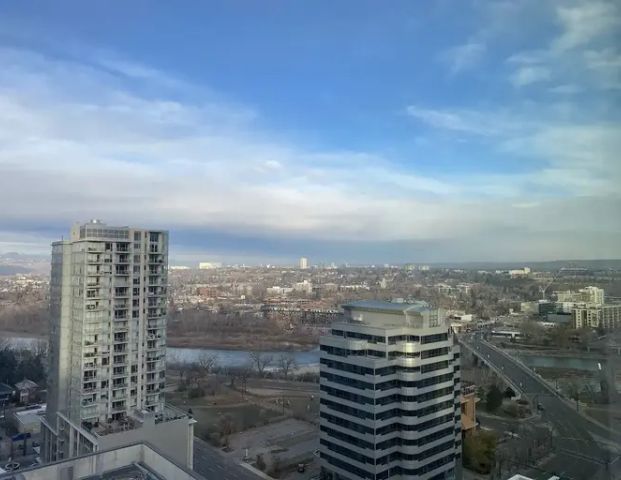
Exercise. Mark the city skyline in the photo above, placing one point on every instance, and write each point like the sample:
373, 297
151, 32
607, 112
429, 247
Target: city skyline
410, 133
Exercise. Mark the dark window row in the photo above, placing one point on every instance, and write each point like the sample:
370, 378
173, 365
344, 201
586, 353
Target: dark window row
398, 427
436, 352
393, 355
359, 336
423, 397
348, 467
354, 412
391, 457
397, 441
403, 338
347, 367
399, 412
341, 422
430, 452
347, 438
432, 367
395, 397
343, 352
438, 337
352, 382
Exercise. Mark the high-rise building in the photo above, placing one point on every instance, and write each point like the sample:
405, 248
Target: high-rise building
107, 348
303, 263
593, 295
390, 394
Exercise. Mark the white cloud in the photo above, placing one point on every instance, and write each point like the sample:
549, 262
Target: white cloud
465, 121
565, 89
586, 21
77, 144
528, 75
464, 57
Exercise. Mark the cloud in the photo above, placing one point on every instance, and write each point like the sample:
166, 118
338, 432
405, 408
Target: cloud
121, 141
464, 121
565, 89
463, 57
528, 75
585, 21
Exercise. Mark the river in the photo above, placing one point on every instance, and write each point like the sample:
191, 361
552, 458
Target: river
229, 358
311, 357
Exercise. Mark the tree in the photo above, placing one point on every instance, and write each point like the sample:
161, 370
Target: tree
531, 330
241, 375
286, 362
493, 399
560, 336
479, 451
261, 361
225, 428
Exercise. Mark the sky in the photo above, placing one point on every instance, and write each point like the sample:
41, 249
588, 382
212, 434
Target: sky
350, 131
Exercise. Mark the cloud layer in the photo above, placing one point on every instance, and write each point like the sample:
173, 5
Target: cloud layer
99, 135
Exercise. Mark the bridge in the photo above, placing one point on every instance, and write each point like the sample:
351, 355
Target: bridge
578, 455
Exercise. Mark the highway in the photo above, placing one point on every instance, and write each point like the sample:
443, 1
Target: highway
212, 465
578, 456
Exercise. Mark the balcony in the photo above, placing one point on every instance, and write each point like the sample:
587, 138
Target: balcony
122, 247
121, 292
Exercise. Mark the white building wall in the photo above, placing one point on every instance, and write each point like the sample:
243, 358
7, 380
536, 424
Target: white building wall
383, 378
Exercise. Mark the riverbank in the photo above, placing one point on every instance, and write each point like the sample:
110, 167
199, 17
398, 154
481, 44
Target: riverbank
235, 343
260, 344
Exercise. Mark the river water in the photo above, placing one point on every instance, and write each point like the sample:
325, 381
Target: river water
228, 358
307, 358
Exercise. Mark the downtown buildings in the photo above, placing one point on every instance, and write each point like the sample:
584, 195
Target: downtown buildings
390, 394
108, 346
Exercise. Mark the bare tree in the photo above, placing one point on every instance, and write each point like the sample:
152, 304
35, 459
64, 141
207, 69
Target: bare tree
241, 374
261, 361
207, 363
225, 429
286, 362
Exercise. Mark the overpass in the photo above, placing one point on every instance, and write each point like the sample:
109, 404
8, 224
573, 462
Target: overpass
578, 455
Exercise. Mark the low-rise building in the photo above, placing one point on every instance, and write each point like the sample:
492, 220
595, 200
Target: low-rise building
28, 419
137, 460
468, 401
27, 390
6, 393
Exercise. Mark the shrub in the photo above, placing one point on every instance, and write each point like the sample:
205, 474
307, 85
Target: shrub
196, 393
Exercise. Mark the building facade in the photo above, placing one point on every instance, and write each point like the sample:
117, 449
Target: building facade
108, 302
593, 295
607, 316
304, 265
390, 394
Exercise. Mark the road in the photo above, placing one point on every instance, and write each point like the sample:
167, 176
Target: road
577, 455
212, 465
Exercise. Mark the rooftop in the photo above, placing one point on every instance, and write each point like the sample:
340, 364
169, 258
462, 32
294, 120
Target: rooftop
418, 306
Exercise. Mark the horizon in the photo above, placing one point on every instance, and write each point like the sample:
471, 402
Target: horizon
293, 262
352, 133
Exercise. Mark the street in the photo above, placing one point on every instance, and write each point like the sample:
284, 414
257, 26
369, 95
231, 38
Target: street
578, 456
212, 465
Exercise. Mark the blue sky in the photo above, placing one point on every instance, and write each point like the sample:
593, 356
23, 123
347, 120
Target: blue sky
346, 131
